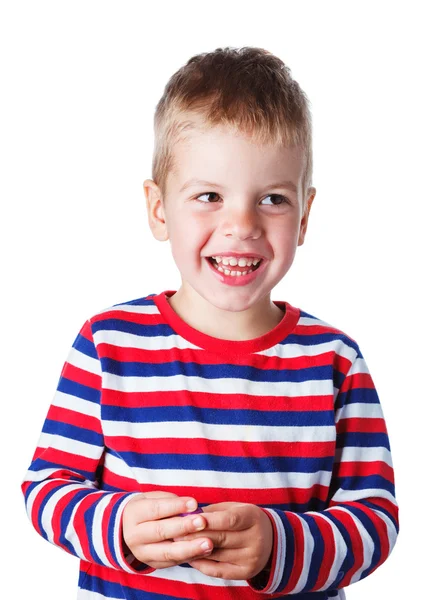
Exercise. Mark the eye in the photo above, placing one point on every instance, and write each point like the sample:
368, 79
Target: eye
283, 200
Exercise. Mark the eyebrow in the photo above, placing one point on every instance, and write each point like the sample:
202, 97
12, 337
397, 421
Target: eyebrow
289, 185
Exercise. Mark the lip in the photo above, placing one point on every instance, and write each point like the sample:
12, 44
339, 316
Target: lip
238, 254
236, 280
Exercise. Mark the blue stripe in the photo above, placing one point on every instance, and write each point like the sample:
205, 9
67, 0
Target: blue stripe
219, 416
85, 346
72, 432
357, 396
231, 464
218, 371
317, 554
383, 510
150, 331
288, 557
349, 559
370, 528
67, 386
66, 517
362, 440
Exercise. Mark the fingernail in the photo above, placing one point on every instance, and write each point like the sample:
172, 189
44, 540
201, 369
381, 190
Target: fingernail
205, 546
198, 523
191, 505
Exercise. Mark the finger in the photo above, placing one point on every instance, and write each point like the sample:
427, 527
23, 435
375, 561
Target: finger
235, 556
160, 507
234, 519
218, 569
151, 532
220, 539
174, 552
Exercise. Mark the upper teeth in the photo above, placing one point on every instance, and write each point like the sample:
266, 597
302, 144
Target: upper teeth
241, 262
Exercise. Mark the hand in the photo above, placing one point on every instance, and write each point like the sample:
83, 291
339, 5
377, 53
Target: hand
242, 536
149, 524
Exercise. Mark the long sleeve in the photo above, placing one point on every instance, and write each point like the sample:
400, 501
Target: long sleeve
354, 535
62, 497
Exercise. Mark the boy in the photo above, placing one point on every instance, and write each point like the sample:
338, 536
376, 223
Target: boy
213, 395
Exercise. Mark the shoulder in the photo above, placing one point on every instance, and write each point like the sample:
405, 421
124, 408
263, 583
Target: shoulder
316, 331
123, 310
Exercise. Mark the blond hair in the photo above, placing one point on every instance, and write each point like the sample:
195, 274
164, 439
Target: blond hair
246, 88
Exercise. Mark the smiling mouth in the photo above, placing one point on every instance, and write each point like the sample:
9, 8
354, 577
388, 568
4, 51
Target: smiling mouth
216, 265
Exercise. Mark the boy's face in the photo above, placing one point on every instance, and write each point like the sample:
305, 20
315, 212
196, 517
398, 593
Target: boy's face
241, 210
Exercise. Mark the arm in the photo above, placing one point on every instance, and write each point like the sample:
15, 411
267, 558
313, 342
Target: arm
329, 549
60, 488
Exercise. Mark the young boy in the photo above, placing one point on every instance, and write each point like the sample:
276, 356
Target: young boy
215, 395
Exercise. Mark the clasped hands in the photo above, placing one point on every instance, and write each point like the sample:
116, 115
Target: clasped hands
229, 540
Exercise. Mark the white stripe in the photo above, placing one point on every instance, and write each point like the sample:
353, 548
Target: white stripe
361, 410
193, 576
66, 444
129, 340
281, 551
340, 548
308, 550
141, 342
392, 532
363, 454
352, 495
358, 366
76, 404
148, 309
83, 361
97, 536
290, 389
48, 511
221, 479
192, 430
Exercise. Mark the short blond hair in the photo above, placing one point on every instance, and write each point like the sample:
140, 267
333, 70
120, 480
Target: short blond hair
246, 88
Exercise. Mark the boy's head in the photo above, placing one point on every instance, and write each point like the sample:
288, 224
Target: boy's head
235, 120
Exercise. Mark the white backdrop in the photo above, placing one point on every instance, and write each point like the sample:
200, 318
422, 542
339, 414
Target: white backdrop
80, 81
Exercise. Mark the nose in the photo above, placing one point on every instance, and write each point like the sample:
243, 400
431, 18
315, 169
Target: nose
241, 221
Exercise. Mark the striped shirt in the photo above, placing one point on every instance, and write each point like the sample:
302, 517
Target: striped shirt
289, 421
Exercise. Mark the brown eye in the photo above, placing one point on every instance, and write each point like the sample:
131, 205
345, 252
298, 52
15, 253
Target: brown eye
206, 194
283, 200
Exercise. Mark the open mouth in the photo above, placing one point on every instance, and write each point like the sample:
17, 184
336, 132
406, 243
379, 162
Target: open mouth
215, 264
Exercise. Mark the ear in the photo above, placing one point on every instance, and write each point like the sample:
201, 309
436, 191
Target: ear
156, 211
304, 222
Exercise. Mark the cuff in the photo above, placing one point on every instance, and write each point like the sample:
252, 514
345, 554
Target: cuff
124, 558
264, 581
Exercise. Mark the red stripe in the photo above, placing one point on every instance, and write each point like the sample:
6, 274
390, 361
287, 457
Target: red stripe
357, 549
329, 552
211, 400
175, 589
220, 448
364, 469
38, 500
68, 460
81, 376
71, 417
84, 536
299, 542
58, 514
357, 380
361, 425
382, 531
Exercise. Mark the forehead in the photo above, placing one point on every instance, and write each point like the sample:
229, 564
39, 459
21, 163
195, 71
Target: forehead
222, 154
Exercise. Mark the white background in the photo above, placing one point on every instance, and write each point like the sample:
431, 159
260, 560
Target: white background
79, 85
